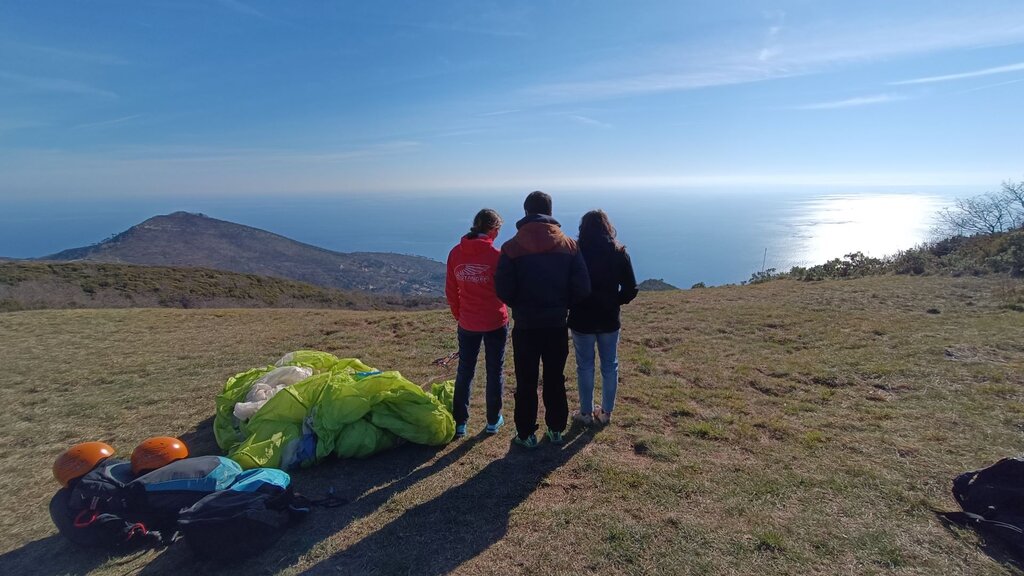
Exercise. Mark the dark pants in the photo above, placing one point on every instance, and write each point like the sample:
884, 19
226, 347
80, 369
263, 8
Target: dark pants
530, 348
494, 360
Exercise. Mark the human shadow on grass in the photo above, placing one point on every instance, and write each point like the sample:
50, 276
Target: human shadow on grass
365, 484
438, 536
51, 556
989, 543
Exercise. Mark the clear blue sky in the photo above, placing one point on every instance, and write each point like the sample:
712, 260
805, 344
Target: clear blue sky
237, 97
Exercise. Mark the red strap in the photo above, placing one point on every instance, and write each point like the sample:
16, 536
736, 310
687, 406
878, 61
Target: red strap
79, 523
137, 528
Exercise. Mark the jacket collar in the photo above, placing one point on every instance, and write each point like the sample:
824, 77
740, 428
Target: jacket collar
537, 218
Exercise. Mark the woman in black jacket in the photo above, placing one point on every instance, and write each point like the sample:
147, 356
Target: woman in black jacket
595, 320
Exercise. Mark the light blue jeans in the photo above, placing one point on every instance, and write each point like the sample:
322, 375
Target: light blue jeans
607, 348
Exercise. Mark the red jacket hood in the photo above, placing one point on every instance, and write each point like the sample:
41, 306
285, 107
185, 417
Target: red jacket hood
480, 244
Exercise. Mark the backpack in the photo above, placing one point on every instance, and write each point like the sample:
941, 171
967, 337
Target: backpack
222, 512
158, 496
243, 520
94, 511
993, 501
110, 508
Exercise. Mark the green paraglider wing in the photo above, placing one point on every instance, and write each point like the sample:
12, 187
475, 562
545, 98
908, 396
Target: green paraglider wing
346, 408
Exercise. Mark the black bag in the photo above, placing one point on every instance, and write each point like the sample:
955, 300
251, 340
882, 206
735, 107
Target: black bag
110, 508
95, 510
231, 525
247, 518
993, 501
158, 496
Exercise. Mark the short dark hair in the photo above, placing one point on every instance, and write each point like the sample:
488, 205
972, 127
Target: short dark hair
538, 203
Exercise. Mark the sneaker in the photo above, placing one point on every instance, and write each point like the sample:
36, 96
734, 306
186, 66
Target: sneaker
554, 437
493, 428
585, 419
460, 430
528, 442
602, 417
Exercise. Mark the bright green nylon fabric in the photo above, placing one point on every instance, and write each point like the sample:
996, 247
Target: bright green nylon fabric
445, 392
352, 414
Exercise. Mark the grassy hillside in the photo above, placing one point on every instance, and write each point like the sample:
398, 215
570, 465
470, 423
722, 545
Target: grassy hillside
778, 428
39, 285
195, 240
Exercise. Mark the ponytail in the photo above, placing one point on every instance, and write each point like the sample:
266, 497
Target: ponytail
485, 221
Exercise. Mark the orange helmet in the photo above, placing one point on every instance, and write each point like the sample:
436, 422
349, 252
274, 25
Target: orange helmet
157, 452
78, 460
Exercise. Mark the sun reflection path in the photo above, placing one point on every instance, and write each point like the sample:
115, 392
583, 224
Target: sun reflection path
830, 227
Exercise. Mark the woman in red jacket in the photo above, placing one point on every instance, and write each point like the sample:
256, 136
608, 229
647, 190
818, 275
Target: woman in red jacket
469, 287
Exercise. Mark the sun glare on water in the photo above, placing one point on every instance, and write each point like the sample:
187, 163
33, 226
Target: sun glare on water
876, 224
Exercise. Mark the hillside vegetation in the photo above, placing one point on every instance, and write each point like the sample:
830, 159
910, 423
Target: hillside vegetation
997, 253
37, 285
780, 428
193, 240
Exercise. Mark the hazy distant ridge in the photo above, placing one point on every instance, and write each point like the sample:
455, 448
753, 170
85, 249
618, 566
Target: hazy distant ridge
195, 240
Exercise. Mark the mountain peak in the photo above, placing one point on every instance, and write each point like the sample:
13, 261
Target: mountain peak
183, 214
196, 240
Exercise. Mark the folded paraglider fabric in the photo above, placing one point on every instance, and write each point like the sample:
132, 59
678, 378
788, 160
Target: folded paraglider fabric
344, 407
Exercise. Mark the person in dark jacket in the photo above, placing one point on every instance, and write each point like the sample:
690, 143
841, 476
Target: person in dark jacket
595, 320
469, 288
540, 274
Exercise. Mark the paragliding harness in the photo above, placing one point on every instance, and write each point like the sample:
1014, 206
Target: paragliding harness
221, 511
993, 502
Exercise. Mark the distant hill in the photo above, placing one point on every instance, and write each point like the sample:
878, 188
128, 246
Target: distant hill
28, 285
655, 285
195, 240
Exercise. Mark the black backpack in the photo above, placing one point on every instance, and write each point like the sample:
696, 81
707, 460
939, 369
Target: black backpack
993, 502
247, 518
95, 510
110, 508
230, 525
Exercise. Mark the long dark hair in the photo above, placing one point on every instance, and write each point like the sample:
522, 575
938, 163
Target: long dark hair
484, 221
596, 229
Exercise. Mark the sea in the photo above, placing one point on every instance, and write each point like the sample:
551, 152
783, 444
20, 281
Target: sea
683, 237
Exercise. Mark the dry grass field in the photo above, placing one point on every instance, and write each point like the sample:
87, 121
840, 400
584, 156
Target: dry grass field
781, 428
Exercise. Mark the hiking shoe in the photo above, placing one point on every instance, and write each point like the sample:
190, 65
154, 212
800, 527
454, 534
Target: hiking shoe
585, 419
528, 442
460, 430
493, 428
554, 437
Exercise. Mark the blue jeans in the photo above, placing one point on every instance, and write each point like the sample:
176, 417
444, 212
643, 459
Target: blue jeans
607, 349
494, 360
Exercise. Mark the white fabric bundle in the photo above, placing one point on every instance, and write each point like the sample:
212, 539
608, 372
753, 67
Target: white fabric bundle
269, 384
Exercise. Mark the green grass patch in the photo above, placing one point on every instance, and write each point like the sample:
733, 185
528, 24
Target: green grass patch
699, 472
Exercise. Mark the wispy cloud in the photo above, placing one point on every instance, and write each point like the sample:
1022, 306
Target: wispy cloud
988, 86
808, 49
655, 83
960, 76
10, 125
241, 8
587, 121
499, 113
771, 48
59, 85
109, 122
67, 54
385, 148
854, 102
507, 21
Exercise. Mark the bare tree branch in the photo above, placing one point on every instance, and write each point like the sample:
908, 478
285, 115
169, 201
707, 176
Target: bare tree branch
985, 214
